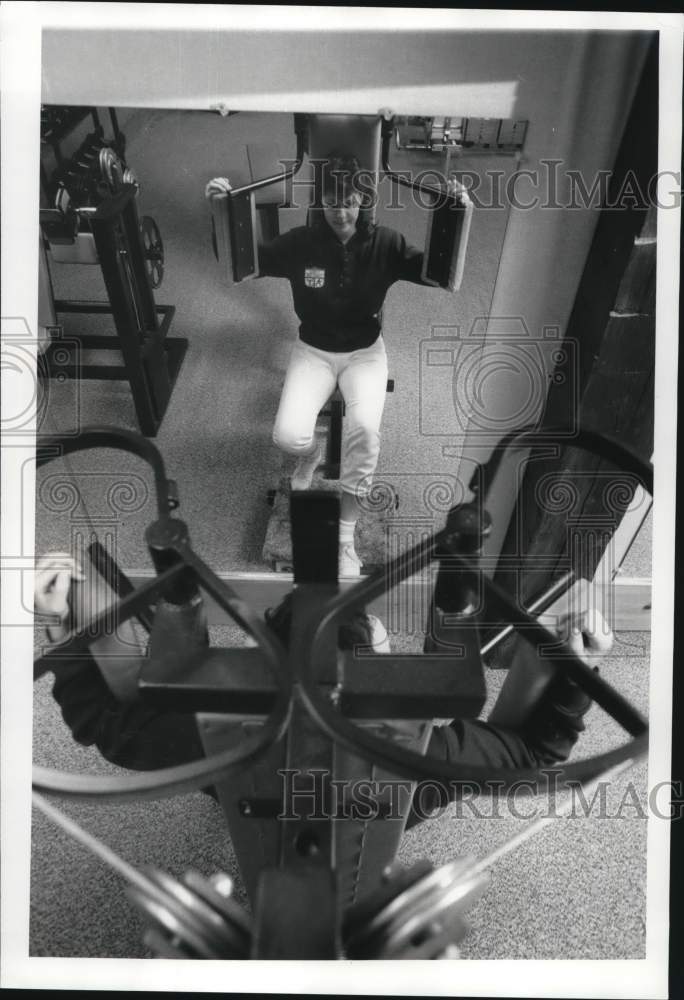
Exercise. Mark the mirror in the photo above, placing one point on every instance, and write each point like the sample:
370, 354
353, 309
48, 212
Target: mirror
216, 432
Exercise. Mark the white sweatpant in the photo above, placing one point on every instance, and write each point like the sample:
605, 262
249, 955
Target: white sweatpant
311, 378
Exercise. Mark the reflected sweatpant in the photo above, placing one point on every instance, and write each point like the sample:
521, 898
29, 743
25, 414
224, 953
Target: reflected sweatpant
311, 378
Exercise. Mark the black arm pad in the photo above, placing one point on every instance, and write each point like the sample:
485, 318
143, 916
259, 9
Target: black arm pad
235, 235
446, 241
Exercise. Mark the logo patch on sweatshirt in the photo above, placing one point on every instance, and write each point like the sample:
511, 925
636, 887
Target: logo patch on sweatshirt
314, 277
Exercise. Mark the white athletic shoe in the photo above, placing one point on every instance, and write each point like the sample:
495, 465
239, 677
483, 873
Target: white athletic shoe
304, 470
349, 563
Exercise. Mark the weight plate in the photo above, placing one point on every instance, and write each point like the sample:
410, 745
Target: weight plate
171, 920
154, 250
111, 169
237, 928
162, 946
229, 908
62, 199
197, 914
434, 914
437, 878
129, 177
383, 930
395, 879
236, 937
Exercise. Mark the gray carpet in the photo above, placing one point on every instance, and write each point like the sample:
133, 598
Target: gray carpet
576, 891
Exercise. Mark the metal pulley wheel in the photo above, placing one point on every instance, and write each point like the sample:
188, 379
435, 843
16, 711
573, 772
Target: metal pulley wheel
62, 200
67, 227
425, 920
154, 250
130, 177
111, 169
192, 918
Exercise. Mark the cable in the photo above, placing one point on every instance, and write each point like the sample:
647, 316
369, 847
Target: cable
97, 847
540, 824
190, 918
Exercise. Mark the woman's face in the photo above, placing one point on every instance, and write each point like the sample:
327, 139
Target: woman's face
342, 214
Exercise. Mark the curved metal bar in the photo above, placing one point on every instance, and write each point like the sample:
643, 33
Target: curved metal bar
109, 437
410, 764
187, 777
169, 780
590, 440
285, 175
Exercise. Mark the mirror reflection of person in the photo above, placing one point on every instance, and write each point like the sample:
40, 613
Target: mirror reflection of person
340, 269
145, 739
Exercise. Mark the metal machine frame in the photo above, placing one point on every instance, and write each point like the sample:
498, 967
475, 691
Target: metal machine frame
107, 231
304, 699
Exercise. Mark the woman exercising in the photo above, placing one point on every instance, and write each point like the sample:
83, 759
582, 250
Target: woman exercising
340, 269
146, 739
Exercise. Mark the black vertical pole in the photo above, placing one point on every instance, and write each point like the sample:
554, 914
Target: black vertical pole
136, 252
121, 297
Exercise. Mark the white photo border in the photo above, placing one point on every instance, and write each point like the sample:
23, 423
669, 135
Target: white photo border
21, 25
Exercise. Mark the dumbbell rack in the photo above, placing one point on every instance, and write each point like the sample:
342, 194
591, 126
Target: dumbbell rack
152, 360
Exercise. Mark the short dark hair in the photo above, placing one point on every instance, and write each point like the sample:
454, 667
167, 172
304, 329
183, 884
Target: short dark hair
340, 175
354, 631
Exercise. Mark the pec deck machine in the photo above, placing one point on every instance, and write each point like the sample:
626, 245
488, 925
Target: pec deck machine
314, 752
241, 214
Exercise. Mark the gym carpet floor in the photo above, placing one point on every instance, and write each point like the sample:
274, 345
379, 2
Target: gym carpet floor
575, 891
